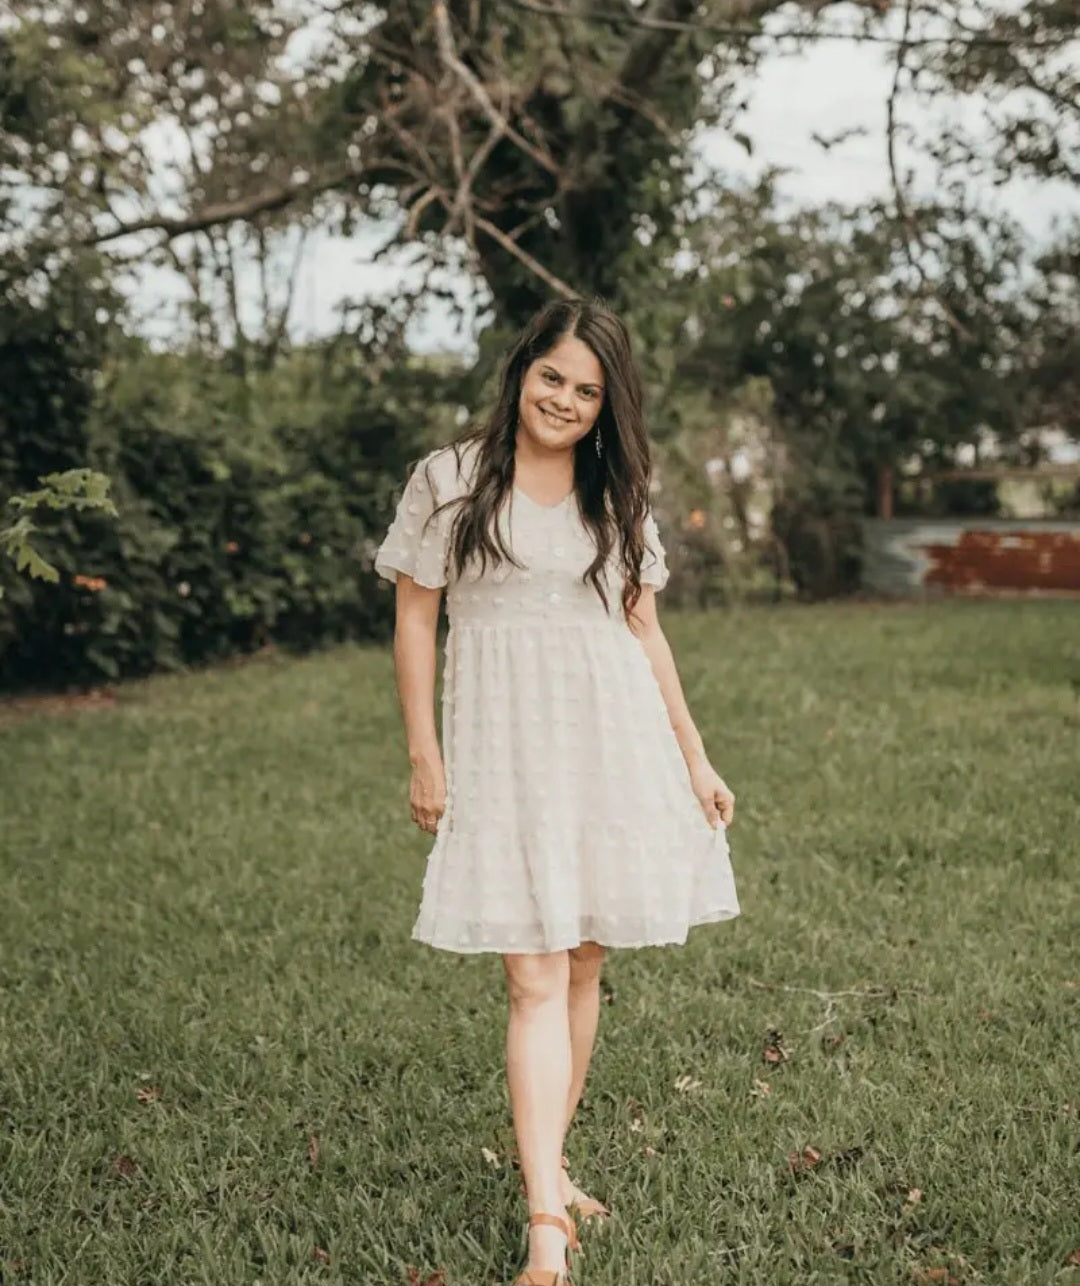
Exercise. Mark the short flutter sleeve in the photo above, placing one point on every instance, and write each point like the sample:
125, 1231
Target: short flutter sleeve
413, 544
654, 568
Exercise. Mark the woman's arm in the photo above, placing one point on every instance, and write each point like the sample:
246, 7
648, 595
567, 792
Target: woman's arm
415, 624
710, 788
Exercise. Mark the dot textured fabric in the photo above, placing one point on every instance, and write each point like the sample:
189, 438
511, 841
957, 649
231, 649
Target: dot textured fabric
569, 813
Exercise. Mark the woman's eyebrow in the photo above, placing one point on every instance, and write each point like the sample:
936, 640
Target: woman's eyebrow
587, 383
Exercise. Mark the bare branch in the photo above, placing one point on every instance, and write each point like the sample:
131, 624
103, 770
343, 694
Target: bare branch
452, 61
731, 31
620, 94
903, 208
225, 265
276, 336
226, 211
873, 991
645, 53
416, 210
532, 264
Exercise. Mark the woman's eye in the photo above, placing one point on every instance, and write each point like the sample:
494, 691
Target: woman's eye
550, 375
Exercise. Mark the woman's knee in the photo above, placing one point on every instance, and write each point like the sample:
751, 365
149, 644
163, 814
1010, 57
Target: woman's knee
534, 979
585, 961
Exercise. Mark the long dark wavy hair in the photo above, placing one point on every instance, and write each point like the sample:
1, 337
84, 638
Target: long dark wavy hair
612, 489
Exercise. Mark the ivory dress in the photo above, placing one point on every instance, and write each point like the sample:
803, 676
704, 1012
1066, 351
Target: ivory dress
569, 812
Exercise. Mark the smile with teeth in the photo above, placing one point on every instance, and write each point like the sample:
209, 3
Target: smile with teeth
559, 419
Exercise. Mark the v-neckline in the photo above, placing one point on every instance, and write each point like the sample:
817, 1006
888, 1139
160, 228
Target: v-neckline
536, 503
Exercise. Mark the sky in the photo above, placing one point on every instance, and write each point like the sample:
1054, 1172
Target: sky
826, 89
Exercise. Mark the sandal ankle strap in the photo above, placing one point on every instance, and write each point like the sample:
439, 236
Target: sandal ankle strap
557, 1221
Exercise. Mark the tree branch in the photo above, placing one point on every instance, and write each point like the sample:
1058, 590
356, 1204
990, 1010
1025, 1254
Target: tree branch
449, 57
732, 31
225, 211
903, 209
532, 264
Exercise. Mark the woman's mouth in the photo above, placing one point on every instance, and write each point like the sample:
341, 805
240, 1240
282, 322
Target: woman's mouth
555, 419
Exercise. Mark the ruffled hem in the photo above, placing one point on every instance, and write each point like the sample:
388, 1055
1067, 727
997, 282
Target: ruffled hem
590, 929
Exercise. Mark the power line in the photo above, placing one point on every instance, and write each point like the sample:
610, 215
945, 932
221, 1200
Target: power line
735, 32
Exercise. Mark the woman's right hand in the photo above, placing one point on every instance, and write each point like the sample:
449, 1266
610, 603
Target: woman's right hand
427, 792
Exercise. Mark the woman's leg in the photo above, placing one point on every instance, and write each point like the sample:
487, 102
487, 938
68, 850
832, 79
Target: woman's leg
538, 1067
584, 1005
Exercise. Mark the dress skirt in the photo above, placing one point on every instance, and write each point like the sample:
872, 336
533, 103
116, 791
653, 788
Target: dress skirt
569, 815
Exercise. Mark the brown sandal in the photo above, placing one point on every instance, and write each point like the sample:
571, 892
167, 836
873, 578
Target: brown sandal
588, 1209
550, 1276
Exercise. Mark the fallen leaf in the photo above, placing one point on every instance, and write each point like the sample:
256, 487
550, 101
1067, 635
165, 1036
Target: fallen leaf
492, 1158
437, 1278
914, 1196
983, 1014
636, 1125
761, 1089
775, 1051
1074, 1259
148, 1093
686, 1083
804, 1160
649, 1152
124, 1165
321, 1255
313, 1150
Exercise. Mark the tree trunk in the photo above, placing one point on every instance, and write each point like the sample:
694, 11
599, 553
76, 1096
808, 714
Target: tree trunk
885, 491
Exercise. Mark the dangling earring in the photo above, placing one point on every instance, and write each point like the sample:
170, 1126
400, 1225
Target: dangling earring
598, 440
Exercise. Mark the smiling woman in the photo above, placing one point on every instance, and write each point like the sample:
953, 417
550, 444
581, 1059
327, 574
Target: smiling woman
573, 805
561, 397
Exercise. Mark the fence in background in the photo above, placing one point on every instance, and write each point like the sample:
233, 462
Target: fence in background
924, 556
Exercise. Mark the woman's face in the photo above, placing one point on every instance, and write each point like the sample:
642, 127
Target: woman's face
561, 395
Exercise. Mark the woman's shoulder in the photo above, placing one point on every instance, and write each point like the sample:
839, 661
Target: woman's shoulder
450, 468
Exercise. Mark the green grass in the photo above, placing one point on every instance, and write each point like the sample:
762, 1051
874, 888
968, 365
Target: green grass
208, 892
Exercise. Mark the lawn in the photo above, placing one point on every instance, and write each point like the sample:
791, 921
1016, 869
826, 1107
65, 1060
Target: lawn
223, 1060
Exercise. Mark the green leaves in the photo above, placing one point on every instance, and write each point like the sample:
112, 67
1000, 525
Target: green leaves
77, 489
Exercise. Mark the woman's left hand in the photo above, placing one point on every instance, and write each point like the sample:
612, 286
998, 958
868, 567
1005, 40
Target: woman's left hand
713, 793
